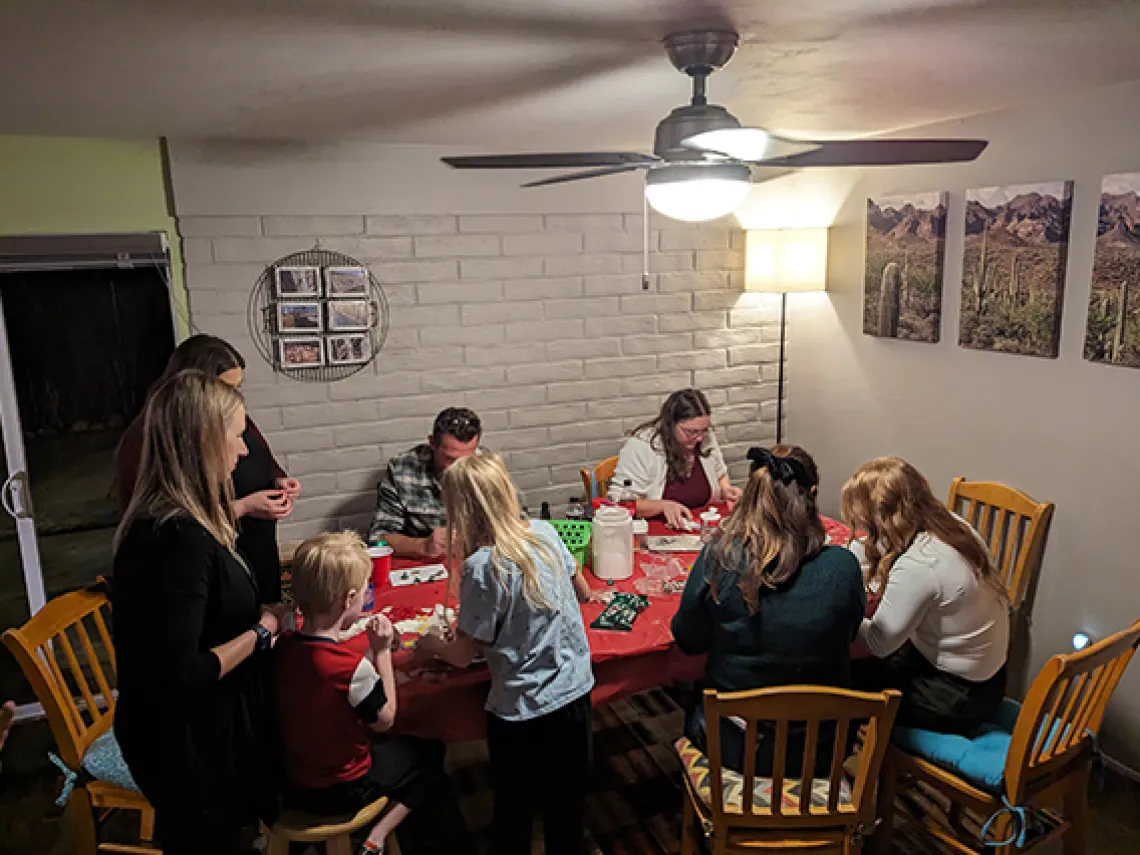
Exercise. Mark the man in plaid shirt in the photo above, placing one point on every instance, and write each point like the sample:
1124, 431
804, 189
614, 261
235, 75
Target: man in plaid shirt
409, 509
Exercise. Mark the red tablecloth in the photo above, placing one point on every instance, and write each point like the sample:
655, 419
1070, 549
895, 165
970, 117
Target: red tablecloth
444, 703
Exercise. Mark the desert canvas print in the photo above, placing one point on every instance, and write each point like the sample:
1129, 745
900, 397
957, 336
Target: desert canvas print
1013, 270
902, 289
1113, 332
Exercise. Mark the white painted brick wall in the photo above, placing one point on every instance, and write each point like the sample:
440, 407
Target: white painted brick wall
538, 322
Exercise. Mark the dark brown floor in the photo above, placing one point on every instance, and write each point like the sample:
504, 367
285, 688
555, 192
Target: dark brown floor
635, 808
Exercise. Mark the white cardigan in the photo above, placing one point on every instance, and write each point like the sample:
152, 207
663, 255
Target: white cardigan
934, 599
645, 468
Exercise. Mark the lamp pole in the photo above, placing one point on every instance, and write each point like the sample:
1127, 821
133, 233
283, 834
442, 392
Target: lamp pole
780, 376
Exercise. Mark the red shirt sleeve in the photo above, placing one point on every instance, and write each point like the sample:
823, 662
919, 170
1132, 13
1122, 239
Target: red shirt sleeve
127, 462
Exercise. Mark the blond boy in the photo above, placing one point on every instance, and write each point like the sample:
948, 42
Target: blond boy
335, 693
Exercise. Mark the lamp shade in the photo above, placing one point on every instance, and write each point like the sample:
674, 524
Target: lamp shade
786, 260
698, 192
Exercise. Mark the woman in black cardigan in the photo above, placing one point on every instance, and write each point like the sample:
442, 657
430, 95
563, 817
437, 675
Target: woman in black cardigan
189, 631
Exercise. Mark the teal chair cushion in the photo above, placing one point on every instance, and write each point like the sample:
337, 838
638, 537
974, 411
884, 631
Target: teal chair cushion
980, 760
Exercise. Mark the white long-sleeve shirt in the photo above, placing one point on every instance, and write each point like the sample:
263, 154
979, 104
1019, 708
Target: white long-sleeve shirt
645, 467
934, 599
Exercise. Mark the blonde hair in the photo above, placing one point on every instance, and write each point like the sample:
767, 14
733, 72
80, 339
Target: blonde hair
892, 502
326, 568
183, 467
775, 523
483, 510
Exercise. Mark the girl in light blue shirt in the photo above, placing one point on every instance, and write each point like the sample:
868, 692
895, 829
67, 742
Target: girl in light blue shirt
518, 606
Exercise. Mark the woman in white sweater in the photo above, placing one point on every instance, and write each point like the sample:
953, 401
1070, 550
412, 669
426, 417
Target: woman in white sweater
660, 461
941, 631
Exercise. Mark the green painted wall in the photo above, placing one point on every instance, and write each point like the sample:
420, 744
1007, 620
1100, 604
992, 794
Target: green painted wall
63, 185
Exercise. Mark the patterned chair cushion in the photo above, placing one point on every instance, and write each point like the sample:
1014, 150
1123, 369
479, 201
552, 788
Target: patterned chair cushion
102, 762
696, 766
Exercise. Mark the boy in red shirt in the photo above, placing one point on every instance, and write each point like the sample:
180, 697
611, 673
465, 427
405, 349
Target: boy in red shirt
334, 693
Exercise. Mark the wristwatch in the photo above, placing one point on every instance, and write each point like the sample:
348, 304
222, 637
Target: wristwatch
264, 637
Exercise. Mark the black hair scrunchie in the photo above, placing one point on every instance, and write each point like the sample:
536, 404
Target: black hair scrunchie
783, 469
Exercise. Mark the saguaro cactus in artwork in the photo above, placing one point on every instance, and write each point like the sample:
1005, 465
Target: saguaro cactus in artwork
980, 275
889, 300
1121, 322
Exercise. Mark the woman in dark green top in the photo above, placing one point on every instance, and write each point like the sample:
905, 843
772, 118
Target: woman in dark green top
769, 602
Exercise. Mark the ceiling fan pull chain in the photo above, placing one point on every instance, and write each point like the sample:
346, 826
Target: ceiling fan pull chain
644, 243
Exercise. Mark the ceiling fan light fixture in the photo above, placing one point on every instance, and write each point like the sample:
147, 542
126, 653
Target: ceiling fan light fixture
697, 192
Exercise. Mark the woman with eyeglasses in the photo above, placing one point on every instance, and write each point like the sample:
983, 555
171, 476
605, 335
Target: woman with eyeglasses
673, 463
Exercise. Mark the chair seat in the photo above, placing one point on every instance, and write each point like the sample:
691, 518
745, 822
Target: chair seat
104, 762
696, 766
306, 827
980, 760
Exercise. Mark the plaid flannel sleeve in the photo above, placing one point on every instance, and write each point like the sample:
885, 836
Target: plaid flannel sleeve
390, 511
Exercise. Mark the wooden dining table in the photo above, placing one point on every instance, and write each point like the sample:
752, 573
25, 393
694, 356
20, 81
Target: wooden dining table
440, 702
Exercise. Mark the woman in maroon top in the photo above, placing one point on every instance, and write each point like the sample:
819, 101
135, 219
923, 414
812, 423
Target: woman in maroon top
263, 492
673, 464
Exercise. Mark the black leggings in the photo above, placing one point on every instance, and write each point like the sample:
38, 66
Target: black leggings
932, 699
541, 766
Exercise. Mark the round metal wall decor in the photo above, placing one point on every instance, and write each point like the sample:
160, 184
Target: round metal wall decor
318, 315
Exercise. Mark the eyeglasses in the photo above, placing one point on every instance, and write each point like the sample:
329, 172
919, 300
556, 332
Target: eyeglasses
691, 433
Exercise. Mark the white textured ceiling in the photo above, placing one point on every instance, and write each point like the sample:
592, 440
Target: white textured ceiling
534, 74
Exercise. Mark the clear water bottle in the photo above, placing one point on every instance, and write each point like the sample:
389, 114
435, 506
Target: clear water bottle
574, 509
628, 497
614, 492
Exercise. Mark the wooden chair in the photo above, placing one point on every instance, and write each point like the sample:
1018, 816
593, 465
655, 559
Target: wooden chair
56, 650
835, 814
1013, 524
594, 481
294, 826
1051, 748
7, 716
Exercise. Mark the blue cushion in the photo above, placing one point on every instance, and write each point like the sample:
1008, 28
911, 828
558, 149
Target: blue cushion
104, 762
980, 760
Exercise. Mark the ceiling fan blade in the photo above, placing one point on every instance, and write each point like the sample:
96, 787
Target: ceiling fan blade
883, 153
748, 144
590, 173
560, 160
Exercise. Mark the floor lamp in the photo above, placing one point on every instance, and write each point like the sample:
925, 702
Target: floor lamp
785, 261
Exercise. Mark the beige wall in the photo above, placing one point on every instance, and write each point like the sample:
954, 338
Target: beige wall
1061, 429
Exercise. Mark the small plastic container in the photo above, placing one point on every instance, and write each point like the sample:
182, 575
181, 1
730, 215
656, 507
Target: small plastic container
710, 519
640, 533
381, 556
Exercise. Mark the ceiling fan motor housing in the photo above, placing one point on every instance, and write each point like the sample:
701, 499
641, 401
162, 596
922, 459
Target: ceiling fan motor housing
688, 121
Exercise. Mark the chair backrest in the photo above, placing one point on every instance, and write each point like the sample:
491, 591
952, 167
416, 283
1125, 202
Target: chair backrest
594, 482
1063, 711
1011, 523
809, 707
7, 716
66, 653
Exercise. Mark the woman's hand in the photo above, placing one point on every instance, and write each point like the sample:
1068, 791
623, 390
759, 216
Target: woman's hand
676, 514
435, 546
264, 504
274, 617
290, 486
731, 493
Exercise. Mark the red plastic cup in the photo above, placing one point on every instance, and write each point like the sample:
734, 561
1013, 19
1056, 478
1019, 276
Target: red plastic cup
381, 564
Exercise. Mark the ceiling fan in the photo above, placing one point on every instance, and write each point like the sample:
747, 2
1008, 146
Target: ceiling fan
700, 166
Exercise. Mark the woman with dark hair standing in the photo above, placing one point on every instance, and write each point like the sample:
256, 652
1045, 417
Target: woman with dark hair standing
263, 492
189, 632
673, 463
768, 601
